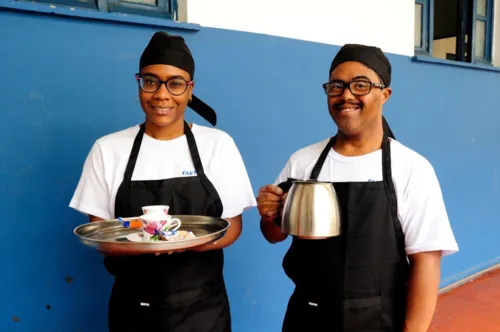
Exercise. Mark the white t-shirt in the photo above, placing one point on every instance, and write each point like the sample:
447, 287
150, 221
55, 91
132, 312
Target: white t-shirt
421, 208
105, 166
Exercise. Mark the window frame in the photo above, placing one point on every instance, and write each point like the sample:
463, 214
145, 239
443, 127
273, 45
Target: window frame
87, 4
427, 26
428, 30
488, 19
164, 9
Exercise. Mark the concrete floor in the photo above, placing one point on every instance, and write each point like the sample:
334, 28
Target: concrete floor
472, 307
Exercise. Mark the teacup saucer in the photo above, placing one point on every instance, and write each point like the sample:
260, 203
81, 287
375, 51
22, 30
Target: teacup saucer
135, 237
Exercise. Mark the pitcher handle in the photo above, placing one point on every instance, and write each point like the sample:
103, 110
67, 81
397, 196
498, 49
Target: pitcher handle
285, 186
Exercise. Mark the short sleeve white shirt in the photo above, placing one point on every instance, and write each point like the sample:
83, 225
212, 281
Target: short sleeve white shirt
421, 208
105, 165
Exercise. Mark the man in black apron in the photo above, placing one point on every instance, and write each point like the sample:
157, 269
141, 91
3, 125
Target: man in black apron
183, 291
359, 281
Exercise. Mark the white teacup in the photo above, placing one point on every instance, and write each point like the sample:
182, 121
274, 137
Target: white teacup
155, 209
158, 222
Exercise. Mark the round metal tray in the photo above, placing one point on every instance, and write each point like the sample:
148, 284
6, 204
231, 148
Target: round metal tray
110, 237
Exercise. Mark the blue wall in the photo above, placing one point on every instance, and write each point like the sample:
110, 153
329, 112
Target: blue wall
66, 82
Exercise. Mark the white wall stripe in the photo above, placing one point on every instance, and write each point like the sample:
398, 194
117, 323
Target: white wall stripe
388, 24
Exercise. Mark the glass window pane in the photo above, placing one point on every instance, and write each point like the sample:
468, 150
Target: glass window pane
480, 41
481, 7
418, 25
142, 2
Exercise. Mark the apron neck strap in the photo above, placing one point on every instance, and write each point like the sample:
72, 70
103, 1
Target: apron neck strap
193, 149
322, 157
134, 153
386, 158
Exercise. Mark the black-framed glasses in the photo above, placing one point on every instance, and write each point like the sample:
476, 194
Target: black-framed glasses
176, 86
358, 87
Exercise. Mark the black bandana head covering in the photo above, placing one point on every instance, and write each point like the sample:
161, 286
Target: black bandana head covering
166, 49
370, 56
373, 58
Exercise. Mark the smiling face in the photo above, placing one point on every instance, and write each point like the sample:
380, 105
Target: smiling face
166, 105
359, 106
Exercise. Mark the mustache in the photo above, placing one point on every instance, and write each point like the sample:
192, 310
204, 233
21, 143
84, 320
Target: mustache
344, 103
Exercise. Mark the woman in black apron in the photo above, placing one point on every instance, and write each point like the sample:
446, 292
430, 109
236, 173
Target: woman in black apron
184, 291
179, 292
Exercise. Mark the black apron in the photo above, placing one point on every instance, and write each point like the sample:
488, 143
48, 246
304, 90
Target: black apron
182, 292
355, 282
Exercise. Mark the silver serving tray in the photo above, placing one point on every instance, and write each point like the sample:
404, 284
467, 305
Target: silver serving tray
110, 237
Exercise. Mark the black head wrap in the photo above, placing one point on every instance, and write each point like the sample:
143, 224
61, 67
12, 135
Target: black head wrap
373, 58
370, 56
171, 50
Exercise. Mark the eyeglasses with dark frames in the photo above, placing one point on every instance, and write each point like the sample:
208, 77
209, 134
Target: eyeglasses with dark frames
358, 87
176, 86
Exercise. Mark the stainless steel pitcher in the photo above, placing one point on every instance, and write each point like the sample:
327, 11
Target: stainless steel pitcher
311, 210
